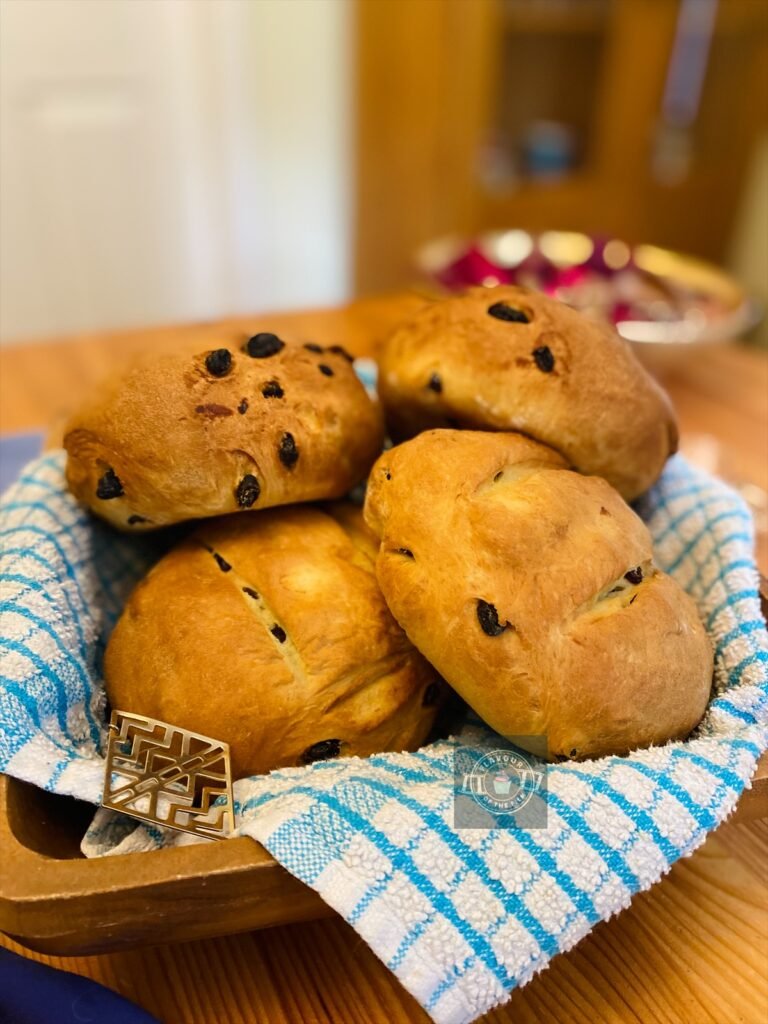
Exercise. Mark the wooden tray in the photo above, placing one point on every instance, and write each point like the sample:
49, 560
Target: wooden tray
54, 900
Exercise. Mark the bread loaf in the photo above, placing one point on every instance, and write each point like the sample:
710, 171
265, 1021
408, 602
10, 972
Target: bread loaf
533, 591
511, 359
270, 633
191, 435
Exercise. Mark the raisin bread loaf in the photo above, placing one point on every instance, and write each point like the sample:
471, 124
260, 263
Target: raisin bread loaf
270, 632
532, 590
185, 436
511, 359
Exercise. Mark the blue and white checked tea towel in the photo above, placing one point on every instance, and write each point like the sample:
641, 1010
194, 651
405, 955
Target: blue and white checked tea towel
461, 916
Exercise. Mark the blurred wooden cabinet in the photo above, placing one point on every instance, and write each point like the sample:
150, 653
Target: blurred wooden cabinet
634, 118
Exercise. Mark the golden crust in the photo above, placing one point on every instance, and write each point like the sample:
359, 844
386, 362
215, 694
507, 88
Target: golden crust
307, 653
597, 663
453, 364
180, 441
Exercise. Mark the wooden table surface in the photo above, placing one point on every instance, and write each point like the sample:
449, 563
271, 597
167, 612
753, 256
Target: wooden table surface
693, 950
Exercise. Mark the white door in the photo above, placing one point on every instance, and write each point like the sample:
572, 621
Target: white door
167, 160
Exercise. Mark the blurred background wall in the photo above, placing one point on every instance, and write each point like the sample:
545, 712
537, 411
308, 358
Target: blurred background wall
168, 160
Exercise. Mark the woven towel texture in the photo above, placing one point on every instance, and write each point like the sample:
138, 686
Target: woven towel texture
461, 916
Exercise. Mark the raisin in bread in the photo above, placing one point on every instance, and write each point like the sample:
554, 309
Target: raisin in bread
270, 632
511, 359
184, 436
532, 590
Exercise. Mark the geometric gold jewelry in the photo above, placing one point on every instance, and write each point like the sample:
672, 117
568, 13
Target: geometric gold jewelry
168, 776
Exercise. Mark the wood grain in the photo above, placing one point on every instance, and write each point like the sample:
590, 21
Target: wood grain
53, 900
693, 950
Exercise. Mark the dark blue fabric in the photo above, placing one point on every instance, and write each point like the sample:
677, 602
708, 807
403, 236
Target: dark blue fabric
16, 450
32, 993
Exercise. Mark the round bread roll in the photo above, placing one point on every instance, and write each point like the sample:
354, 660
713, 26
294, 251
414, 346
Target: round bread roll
182, 436
270, 633
532, 590
512, 359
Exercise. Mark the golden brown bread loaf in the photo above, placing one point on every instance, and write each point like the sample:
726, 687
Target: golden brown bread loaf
270, 633
184, 436
511, 359
532, 590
